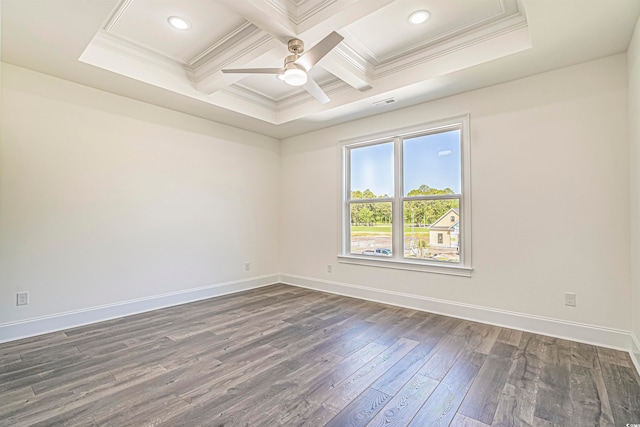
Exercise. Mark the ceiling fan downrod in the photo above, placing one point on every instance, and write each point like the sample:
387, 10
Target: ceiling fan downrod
295, 46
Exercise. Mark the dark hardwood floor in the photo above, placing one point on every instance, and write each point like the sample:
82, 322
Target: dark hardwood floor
288, 356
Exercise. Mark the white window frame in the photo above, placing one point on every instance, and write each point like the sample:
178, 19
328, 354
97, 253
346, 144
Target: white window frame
396, 261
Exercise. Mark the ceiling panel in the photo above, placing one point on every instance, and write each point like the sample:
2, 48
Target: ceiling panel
144, 22
268, 85
394, 34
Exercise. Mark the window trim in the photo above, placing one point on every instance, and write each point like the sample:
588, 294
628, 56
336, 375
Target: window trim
461, 268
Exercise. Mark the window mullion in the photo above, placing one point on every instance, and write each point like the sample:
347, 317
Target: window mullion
346, 209
378, 200
434, 197
398, 223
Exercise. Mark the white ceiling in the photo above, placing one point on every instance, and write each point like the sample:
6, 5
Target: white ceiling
128, 48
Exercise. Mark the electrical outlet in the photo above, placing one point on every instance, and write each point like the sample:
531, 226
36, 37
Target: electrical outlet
329, 268
570, 299
22, 298
247, 266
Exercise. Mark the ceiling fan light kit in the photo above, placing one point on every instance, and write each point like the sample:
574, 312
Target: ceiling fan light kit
295, 76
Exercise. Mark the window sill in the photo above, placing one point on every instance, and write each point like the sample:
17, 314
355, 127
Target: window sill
453, 270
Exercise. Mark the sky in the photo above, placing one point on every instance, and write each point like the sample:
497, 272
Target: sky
433, 160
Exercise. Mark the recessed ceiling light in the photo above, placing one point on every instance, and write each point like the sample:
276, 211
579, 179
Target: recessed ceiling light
419, 17
179, 23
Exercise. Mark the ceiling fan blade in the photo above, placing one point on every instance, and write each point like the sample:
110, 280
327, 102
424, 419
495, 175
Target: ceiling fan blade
316, 53
314, 89
253, 71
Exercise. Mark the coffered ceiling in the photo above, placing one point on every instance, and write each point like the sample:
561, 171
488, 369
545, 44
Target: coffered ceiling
383, 62
381, 51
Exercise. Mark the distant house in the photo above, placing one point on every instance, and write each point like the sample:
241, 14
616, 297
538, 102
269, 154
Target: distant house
445, 230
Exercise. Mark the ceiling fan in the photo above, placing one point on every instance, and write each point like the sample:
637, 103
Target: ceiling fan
297, 65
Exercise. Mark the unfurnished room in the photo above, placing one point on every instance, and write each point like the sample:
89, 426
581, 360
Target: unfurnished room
320, 213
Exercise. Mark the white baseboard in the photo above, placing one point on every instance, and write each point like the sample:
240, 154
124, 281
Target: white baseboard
42, 325
635, 352
590, 334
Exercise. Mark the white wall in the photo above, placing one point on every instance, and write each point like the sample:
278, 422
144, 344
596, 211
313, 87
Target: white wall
634, 140
104, 199
550, 149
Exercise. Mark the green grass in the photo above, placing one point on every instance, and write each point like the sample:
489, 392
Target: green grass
375, 229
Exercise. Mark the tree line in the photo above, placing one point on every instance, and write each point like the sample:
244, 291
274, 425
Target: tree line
420, 213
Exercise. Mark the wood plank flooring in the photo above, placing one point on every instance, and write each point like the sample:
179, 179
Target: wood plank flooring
287, 356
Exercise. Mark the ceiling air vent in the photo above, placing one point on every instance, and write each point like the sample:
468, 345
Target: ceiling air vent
384, 102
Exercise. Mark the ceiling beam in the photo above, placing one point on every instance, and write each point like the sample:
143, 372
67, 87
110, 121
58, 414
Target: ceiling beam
335, 17
343, 62
209, 77
349, 67
310, 27
265, 17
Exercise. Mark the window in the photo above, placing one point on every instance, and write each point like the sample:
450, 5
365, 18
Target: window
405, 199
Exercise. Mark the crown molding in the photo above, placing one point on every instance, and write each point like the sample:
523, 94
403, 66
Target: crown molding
248, 43
469, 28
299, 12
463, 41
112, 21
314, 8
229, 41
251, 95
134, 52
